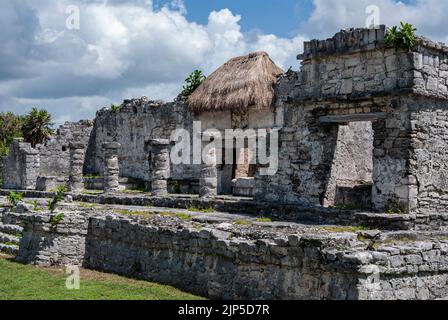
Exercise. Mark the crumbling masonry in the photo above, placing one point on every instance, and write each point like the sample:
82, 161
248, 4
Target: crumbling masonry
362, 145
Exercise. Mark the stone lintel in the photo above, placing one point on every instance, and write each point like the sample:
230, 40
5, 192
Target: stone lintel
77, 145
353, 117
159, 142
111, 145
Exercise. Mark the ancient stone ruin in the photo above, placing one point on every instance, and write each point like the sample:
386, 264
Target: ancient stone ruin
356, 206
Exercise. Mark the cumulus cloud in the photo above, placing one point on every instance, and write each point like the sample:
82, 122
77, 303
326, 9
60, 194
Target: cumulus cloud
429, 16
128, 48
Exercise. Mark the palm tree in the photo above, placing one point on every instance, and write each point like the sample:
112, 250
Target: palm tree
37, 126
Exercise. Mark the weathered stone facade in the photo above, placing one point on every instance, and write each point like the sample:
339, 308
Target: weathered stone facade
210, 262
55, 154
355, 77
137, 121
21, 166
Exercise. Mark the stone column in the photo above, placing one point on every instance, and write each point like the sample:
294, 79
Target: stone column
208, 182
77, 154
160, 166
111, 168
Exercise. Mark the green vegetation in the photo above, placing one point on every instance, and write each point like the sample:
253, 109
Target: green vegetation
37, 125
402, 37
183, 216
203, 210
115, 108
193, 81
35, 204
133, 213
34, 127
92, 176
264, 220
10, 128
133, 191
342, 229
176, 188
242, 222
58, 197
57, 219
25, 282
395, 211
14, 198
92, 192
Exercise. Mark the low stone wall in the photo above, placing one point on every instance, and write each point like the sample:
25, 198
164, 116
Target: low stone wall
210, 262
296, 213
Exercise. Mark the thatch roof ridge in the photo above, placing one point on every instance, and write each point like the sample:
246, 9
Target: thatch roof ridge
242, 82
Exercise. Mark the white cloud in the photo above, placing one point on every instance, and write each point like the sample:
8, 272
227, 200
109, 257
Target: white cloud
429, 16
128, 48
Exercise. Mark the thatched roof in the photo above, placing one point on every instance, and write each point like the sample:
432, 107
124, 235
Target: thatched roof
241, 83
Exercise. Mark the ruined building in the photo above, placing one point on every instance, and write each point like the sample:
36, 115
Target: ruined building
354, 207
361, 123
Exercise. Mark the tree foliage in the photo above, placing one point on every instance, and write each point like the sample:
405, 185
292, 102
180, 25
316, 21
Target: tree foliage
193, 81
402, 37
37, 126
10, 128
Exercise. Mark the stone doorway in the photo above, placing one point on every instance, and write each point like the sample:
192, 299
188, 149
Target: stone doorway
350, 183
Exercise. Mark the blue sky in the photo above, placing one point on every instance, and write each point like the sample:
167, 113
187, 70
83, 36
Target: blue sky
133, 48
282, 17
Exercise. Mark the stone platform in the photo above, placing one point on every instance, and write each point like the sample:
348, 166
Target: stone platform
231, 256
281, 212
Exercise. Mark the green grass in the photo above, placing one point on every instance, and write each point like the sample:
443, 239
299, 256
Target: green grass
25, 282
92, 192
341, 229
133, 191
207, 210
92, 176
183, 216
242, 222
133, 213
265, 220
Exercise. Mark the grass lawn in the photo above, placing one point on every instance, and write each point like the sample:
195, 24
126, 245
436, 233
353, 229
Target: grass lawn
25, 282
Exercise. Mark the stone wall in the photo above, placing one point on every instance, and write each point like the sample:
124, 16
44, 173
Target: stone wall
428, 172
210, 262
137, 122
55, 154
355, 77
21, 166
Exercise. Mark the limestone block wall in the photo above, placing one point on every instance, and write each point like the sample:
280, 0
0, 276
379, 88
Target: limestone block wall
428, 163
354, 74
21, 166
206, 262
138, 121
55, 154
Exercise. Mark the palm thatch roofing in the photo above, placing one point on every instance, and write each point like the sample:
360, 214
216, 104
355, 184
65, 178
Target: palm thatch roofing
241, 83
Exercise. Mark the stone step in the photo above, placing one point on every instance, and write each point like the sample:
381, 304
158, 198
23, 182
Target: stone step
9, 239
10, 229
9, 249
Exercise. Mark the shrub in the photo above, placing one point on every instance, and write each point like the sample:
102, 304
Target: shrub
193, 81
14, 198
402, 37
58, 197
57, 219
115, 108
